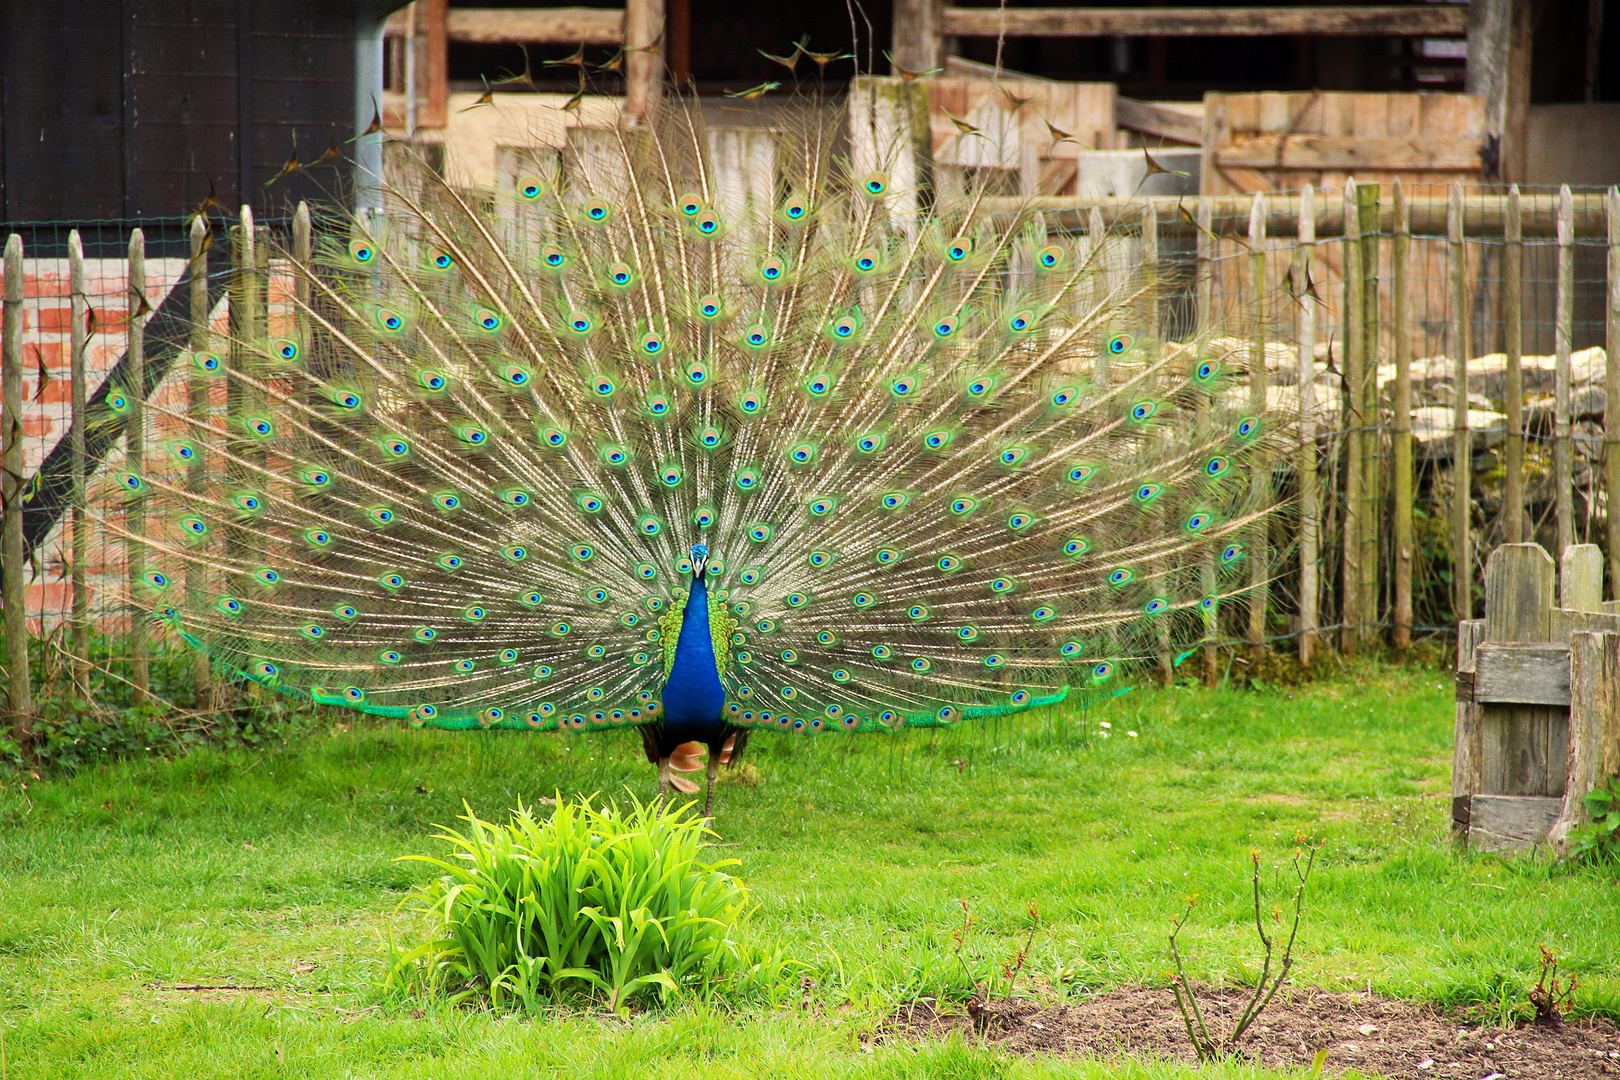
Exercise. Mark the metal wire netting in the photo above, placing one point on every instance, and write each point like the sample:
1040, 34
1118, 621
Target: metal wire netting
1210, 281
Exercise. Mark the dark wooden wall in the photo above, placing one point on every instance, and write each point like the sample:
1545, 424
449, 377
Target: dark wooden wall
132, 108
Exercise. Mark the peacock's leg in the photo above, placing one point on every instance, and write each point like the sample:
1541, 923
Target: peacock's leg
711, 773
663, 782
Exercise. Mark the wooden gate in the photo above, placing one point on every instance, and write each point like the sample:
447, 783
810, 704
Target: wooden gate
1538, 700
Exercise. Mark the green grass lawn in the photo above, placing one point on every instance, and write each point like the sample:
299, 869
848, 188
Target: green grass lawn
277, 869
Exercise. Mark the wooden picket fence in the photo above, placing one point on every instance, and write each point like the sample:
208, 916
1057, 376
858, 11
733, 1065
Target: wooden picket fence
1312, 269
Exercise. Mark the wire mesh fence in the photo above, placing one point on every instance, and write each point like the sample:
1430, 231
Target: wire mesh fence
1415, 330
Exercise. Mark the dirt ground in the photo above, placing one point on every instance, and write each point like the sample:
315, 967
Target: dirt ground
1378, 1036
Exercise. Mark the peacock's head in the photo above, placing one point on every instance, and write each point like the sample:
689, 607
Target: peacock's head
700, 561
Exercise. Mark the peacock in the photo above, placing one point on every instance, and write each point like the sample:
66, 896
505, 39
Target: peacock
621, 446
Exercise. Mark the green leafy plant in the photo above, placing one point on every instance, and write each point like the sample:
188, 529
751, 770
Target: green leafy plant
610, 901
1598, 842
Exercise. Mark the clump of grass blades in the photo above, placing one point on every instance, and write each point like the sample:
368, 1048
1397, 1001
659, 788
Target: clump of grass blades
588, 902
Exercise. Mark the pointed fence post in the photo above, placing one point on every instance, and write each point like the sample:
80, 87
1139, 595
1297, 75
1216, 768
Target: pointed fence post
1563, 323
1401, 343
13, 591
79, 615
1259, 471
1371, 432
1513, 389
1309, 496
202, 681
1462, 498
1155, 334
1611, 389
1205, 320
135, 454
1350, 592
1101, 280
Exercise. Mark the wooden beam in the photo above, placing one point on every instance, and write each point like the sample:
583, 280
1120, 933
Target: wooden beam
1358, 153
919, 35
1151, 119
1499, 68
1483, 215
1511, 822
644, 58
534, 26
1521, 674
435, 111
1424, 20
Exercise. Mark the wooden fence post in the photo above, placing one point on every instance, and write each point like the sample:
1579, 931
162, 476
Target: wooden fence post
202, 681
79, 616
1563, 319
1354, 324
135, 454
1462, 448
1101, 280
1155, 348
1371, 437
1309, 497
1401, 511
1513, 389
13, 592
1206, 320
1259, 471
1611, 389
643, 58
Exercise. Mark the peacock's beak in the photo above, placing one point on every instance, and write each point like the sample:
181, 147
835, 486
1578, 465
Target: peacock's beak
700, 566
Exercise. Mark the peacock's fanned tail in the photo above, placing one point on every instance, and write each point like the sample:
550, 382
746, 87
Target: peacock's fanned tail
462, 492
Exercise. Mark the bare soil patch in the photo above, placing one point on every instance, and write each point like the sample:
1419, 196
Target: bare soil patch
1378, 1036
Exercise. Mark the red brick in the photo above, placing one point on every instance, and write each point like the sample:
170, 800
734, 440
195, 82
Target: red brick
59, 391
55, 318
37, 427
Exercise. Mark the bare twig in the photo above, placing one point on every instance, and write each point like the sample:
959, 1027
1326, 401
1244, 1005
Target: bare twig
1267, 985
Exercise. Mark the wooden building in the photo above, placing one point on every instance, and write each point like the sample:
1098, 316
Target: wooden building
141, 108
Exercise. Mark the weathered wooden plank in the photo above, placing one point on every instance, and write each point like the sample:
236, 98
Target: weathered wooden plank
1510, 822
1363, 153
1151, 119
1521, 674
1416, 21
1594, 725
1466, 746
1580, 578
533, 26
1565, 622
1519, 594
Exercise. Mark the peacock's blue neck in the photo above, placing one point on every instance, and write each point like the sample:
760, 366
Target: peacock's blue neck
693, 695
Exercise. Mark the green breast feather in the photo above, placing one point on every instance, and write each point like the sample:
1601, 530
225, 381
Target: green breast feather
721, 627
